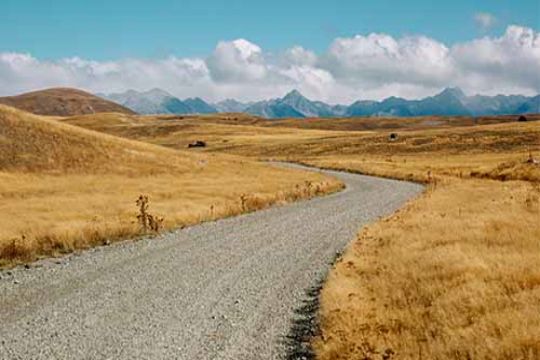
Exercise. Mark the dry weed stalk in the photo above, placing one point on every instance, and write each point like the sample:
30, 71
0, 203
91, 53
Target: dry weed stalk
147, 220
309, 185
243, 202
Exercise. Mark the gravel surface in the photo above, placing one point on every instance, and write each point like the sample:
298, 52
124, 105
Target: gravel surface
221, 290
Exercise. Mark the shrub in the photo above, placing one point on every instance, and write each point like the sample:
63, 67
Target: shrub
147, 220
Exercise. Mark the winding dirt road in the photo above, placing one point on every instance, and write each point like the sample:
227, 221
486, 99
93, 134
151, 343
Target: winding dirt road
219, 290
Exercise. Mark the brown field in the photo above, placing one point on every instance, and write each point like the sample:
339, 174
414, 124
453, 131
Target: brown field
393, 123
453, 275
456, 273
64, 188
219, 132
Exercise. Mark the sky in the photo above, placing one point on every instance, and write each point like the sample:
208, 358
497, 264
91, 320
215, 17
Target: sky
336, 51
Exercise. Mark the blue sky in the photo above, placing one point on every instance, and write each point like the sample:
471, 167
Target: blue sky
336, 51
103, 30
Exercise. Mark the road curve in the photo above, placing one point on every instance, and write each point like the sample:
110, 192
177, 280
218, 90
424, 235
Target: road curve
220, 290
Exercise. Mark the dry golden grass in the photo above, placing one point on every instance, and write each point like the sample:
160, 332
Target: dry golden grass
454, 275
496, 151
63, 188
221, 133
394, 123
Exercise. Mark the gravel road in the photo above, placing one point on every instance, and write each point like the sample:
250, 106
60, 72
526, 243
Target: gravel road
220, 290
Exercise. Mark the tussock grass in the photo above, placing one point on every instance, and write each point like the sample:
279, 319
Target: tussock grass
59, 214
221, 133
379, 124
64, 188
454, 275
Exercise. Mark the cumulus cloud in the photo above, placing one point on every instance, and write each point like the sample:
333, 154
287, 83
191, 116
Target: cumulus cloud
371, 66
22, 72
297, 55
484, 20
237, 61
380, 59
510, 63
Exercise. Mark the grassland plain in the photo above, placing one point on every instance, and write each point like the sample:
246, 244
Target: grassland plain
64, 188
456, 273
453, 275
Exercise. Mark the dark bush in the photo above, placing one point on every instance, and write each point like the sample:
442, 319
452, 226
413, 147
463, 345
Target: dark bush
197, 143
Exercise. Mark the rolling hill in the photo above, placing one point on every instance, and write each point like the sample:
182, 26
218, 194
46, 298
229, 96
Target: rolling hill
64, 187
32, 143
62, 102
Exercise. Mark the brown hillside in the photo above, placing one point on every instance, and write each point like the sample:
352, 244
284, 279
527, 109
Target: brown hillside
32, 143
62, 102
64, 187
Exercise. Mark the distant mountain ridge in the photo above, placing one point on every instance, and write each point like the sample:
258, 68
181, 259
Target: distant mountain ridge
157, 101
451, 102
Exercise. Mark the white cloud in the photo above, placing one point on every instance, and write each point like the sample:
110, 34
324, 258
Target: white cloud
297, 55
369, 66
510, 63
484, 20
237, 61
379, 59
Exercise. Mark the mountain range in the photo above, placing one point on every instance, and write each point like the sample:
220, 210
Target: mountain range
451, 101
157, 101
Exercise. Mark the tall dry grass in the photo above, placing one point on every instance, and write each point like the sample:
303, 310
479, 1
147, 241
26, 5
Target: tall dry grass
454, 275
64, 188
48, 215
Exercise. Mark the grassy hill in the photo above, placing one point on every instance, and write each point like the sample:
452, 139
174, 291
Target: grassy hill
62, 102
218, 131
455, 274
396, 123
494, 147
63, 187
31, 143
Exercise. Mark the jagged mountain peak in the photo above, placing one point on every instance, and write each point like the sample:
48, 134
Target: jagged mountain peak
159, 101
450, 101
455, 92
294, 94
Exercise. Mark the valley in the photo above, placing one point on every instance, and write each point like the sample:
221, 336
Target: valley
464, 249
256, 180
65, 188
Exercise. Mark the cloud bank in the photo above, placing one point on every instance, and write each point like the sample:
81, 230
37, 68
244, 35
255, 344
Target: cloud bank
371, 66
